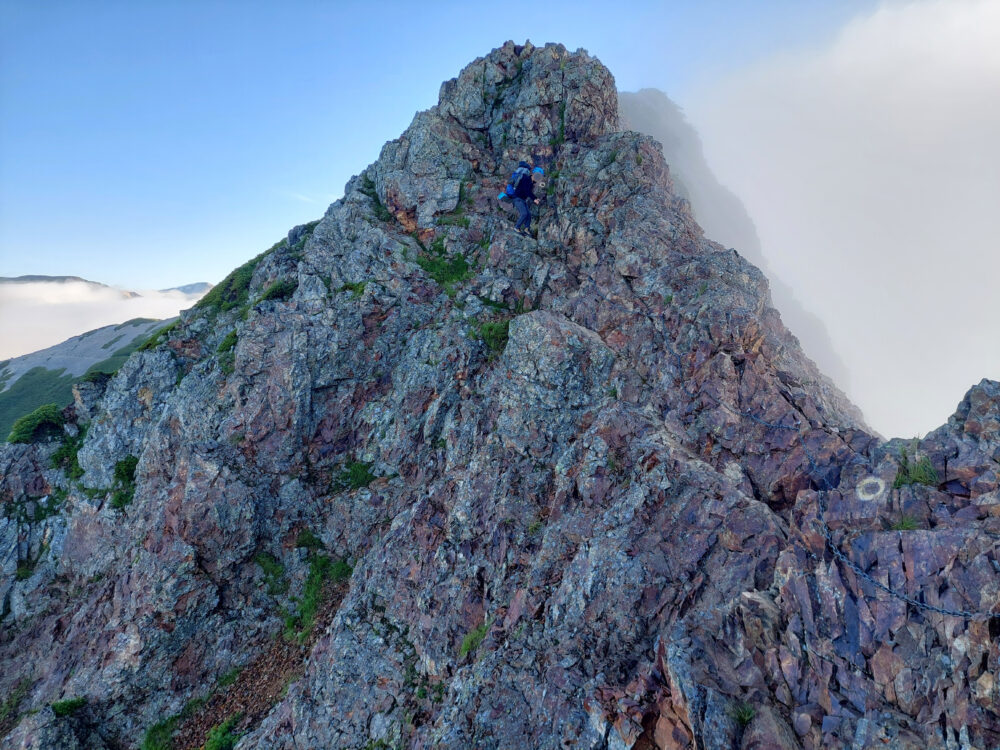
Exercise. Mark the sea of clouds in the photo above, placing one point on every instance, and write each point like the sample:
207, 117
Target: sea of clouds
37, 315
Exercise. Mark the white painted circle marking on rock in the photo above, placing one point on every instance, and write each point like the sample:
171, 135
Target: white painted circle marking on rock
870, 488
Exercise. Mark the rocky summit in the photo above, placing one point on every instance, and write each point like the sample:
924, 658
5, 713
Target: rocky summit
411, 480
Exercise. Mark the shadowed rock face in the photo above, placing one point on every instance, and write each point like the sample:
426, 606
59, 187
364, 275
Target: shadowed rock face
635, 516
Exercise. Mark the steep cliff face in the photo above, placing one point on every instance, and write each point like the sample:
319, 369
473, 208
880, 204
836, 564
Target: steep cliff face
723, 216
433, 484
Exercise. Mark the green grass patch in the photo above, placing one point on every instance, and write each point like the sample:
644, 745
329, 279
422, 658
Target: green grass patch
905, 522
279, 290
920, 472
234, 290
123, 491
113, 341
223, 736
229, 677
354, 476
356, 289
227, 344
134, 322
494, 334
24, 570
454, 220
296, 250
474, 639
444, 269
559, 138
44, 422
69, 706
35, 388
308, 540
160, 336
108, 367
66, 456
274, 573
299, 626
742, 713
160, 736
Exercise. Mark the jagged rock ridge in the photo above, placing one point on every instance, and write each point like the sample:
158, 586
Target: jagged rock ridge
604, 529
723, 216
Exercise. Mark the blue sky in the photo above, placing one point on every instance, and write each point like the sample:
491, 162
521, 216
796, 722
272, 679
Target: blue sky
153, 144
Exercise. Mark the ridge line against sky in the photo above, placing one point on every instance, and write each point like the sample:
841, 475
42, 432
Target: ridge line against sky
152, 145
164, 143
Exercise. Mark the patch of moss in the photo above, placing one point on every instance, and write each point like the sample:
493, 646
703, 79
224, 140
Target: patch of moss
368, 188
68, 707
9, 706
308, 540
357, 289
158, 337
354, 475
227, 344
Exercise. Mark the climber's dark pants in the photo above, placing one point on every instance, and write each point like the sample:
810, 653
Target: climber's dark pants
523, 213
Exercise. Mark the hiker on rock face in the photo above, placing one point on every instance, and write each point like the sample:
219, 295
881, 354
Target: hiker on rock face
523, 183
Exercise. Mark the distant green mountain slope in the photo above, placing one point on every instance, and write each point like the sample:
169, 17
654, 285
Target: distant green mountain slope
47, 376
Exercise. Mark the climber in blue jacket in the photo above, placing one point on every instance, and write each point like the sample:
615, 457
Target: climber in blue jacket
523, 184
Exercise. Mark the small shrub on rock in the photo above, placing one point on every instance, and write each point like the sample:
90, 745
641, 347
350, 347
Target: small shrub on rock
45, 421
494, 335
123, 491
68, 707
280, 290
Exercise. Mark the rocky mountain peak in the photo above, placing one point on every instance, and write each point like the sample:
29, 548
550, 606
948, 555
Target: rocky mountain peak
410, 479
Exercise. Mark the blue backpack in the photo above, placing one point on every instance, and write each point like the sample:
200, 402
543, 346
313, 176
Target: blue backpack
522, 171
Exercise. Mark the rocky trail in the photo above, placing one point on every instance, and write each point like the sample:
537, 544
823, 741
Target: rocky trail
584, 489
258, 686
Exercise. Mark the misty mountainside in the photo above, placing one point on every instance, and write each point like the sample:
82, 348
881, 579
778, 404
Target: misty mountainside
38, 312
47, 376
407, 479
56, 281
198, 288
722, 215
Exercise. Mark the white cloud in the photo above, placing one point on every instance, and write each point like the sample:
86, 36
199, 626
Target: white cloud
37, 315
872, 170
